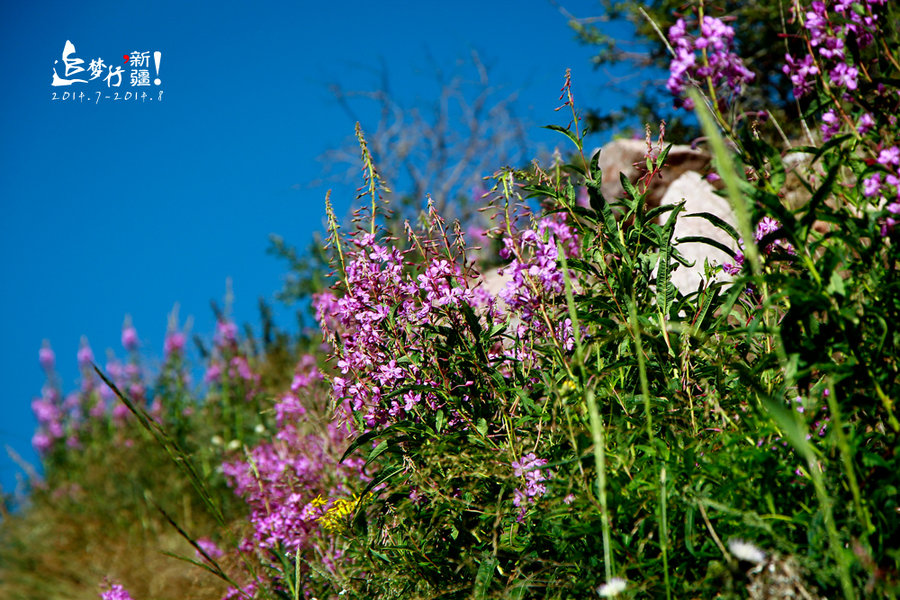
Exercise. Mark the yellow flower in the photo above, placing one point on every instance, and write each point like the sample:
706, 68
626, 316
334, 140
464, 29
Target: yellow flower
336, 515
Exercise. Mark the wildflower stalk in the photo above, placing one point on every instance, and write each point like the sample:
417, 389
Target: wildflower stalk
732, 184
815, 56
840, 556
709, 83
645, 392
664, 532
596, 421
642, 367
334, 235
847, 457
570, 102
371, 176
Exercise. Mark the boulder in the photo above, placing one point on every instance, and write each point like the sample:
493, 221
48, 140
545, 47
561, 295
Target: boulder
699, 196
628, 157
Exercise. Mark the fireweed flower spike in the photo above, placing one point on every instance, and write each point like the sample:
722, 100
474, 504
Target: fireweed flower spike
766, 226
226, 334
174, 342
130, 339
116, 592
46, 357
85, 354
528, 467
709, 56
833, 27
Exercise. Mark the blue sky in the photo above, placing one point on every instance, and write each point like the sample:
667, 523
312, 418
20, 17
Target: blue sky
115, 208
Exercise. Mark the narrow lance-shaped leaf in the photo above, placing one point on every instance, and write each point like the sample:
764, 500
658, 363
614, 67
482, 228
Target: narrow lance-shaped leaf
664, 287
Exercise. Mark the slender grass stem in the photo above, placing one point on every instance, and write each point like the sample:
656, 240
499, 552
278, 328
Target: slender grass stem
596, 421
664, 531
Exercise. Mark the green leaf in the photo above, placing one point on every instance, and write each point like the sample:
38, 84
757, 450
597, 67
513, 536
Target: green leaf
718, 222
471, 320
481, 426
497, 328
611, 226
665, 291
484, 576
836, 284
596, 173
655, 212
662, 156
812, 206
699, 239
629, 187
378, 450
371, 435
570, 194
565, 132
383, 476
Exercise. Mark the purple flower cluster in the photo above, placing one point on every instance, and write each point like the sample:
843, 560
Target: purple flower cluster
116, 592
85, 355
130, 338
211, 549
247, 592
226, 333
537, 275
802, 73
832, 26
284, 475
50, 417
174, 343
276, 488
717, 60
879, 184
84, 411
537, 280
59, 418
766, 226
385, 313
529, 468
230, 365
373, 346
47, 358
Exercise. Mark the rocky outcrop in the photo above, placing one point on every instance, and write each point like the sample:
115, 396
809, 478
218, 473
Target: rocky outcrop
699, 197
678, 181
628, 157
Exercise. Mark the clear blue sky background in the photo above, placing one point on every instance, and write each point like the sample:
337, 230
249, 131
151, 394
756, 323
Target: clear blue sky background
127, 208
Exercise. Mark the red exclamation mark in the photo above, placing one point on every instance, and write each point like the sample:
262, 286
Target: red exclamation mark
156, 58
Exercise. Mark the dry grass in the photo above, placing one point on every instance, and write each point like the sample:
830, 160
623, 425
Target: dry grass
69, 538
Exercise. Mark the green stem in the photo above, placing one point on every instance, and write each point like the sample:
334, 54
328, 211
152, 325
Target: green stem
664, 532
596, 421
847, 458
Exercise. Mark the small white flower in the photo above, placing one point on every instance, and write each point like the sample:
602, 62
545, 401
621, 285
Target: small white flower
614, 586
233, 445
217, 441
746, 551
260, 429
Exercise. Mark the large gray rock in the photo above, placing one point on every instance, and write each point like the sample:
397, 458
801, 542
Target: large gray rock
699, 197
628, 157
